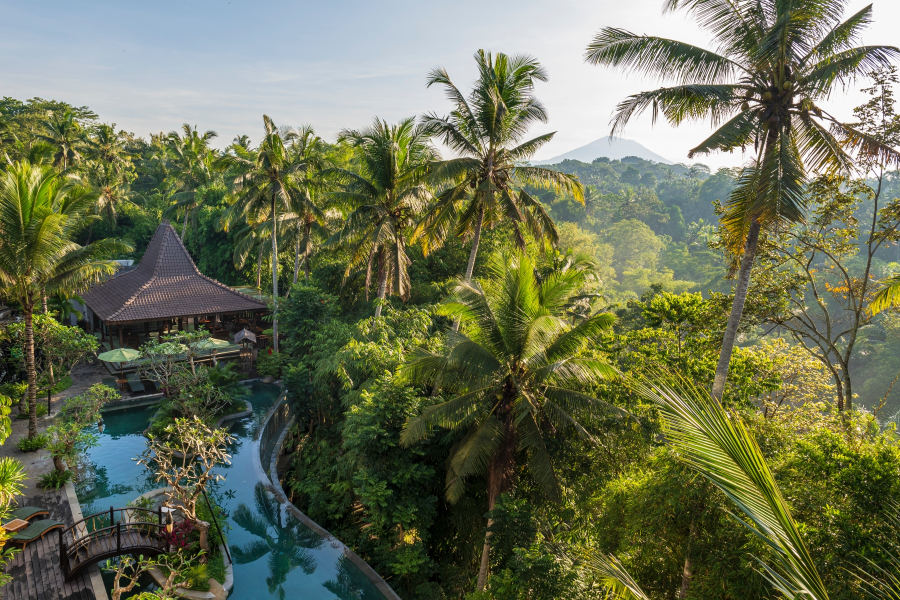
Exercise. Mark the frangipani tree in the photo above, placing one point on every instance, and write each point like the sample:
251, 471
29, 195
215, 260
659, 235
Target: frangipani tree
184, 461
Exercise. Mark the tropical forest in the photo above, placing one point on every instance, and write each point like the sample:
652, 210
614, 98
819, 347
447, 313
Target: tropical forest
505, 380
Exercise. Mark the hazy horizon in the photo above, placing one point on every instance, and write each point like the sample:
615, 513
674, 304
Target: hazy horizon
221, 64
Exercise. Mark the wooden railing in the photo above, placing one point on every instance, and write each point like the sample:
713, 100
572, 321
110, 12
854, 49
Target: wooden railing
111, 533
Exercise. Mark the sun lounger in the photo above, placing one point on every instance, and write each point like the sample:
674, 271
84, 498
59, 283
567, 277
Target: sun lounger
35, 531
134, 382
26, 513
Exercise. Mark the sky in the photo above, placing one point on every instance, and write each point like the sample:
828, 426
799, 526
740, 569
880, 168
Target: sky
222, 64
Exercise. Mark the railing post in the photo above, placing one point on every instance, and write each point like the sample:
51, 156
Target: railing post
63, 563
118, 537
112, 517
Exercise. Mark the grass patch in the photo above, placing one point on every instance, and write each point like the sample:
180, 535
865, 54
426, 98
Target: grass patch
63, 384
27, 444
216, 567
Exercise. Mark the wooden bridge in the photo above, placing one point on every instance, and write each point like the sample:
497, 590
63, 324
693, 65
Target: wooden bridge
116, 532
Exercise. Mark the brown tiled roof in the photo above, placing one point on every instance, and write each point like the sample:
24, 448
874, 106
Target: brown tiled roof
166, 284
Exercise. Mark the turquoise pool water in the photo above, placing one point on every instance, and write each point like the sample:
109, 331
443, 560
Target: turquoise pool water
274, 553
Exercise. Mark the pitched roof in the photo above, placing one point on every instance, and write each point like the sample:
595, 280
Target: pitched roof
166, 284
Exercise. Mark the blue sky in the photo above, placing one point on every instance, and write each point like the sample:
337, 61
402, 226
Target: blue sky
150, 66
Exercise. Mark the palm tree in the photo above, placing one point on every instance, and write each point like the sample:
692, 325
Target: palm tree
305, 221
65, 133
487, 179
513, 375
888, 296
285, 539
111, 187
107, 147
385, 198
40, 213
262, 181
192, 159
775, 62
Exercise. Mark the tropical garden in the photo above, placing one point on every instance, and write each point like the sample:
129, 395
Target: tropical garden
620, 379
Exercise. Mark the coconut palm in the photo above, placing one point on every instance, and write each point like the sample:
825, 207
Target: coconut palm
192, 160
487, 180
40, 213
775, 61
305, 221
64, 132
286, 540
111, 187
513, 376
385, 200
106, 146
888, 296
262, 181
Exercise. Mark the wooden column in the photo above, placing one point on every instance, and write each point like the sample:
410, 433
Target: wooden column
121, 340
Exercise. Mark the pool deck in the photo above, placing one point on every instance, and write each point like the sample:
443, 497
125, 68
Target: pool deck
35, 570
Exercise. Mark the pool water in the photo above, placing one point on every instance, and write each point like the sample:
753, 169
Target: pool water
275, 555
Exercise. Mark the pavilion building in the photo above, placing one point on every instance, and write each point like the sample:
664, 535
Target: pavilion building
165, 292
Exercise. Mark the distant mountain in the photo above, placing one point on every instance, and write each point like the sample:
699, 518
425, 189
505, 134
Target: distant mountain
618, 149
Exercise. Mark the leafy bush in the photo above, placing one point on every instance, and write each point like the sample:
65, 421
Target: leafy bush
204, 514
41, 411
27, 444
197, 578
143, 502
271, 364
55, 479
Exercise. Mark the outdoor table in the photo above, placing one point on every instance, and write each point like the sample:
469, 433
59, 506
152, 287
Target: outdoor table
121, 383
15, 525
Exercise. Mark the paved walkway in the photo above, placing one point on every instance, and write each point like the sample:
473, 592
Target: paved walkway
35, 570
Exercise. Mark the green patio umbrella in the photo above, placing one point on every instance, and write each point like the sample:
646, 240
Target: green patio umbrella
212, 344
119, 355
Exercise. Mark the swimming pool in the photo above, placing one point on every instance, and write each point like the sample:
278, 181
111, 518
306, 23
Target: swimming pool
276, 556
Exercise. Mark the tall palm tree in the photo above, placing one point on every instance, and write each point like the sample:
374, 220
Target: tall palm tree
284, 539
111, 187
107, 146
263, 181
65, 133
514, 375
385, 200
40, 213
774, 62
487, 180
305, 221
192, 158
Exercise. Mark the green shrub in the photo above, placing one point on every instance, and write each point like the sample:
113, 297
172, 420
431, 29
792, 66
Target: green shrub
63, 384
143, 502
55, 479
27, 444
197, 578
41, 411
204, 514
271, 364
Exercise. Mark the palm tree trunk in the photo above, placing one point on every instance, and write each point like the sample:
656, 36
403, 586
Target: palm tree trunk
259, 268
737, 309
382, 282
274, 274
184, 226
306, 252
28, 309
296, 260
44, 303
476, 239
688, 571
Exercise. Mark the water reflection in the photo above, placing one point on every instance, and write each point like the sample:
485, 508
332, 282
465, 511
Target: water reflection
286, 540
349, 583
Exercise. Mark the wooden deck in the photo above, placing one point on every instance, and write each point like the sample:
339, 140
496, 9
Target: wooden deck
35, 571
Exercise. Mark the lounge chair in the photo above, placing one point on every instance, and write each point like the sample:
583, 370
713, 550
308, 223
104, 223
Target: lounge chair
134, 382
26, 513
34, 532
